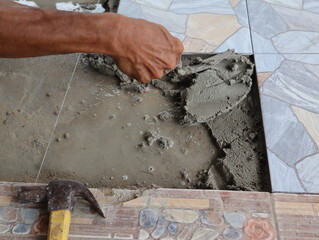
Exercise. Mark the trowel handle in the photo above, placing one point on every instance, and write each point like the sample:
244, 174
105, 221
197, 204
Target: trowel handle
59, 225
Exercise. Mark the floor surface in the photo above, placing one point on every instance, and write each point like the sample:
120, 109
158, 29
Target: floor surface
282, 36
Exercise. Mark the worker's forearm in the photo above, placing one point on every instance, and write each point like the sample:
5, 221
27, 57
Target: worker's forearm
27, 32
141, 49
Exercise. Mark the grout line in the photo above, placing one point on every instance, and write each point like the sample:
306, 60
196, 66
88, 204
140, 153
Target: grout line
57, 119
274, 215
249, 27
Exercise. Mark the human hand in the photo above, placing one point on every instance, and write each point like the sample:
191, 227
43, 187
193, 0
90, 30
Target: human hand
144, 50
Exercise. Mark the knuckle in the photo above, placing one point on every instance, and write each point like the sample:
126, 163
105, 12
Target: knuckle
180, 47
158, 74
172, 64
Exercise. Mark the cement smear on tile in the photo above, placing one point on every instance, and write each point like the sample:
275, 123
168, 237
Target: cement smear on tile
215, 91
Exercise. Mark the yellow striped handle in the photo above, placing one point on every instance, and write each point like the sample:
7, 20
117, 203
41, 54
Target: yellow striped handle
59, 225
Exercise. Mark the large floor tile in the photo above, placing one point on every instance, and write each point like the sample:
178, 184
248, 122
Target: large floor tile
31, 92
203, 26
289, 89
279, 26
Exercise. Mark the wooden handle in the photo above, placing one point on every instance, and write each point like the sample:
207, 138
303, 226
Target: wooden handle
59, 225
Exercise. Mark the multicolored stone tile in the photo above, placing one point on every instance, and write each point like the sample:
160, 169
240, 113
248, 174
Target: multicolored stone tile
203, 26
284, 27
288, 88
230, 215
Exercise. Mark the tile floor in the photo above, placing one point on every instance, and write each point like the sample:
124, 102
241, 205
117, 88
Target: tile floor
283, 36
169, 214
195, 22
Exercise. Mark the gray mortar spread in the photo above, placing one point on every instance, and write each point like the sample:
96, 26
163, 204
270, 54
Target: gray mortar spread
215, 91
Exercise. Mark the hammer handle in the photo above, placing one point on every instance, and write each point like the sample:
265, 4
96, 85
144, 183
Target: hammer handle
59, 225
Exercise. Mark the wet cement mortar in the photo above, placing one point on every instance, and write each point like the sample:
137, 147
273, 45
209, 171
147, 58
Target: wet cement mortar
218, 93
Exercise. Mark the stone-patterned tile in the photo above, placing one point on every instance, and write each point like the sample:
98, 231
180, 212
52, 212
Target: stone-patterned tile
169, 202
298, 20
261, 77
4, 228
297, 42
284, 133
264, 20
266, 229
242, 35
293, 79
172, 21
203, 25
293, 83
180, 215
283, 177
240, 8
200, 6
239, 215
311, 5
232, 234
32, 89
308, 172
160, 229
164, 4
263, 45
205, 233
291, 3
199, 26
8, 214
197, 45
285, 26
310, 121
21, 229
130, 8
267, 62
303, 58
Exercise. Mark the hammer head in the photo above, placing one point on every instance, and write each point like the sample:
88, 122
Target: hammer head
60, 194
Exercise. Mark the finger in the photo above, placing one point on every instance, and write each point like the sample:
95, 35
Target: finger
171, 62
124, 66
179, 47
143, 74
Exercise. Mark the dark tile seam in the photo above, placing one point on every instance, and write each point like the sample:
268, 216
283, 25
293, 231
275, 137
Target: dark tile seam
249, 26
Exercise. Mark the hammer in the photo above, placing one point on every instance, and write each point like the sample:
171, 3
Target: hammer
60, 196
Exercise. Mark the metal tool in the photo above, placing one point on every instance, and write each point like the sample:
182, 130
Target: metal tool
60, 196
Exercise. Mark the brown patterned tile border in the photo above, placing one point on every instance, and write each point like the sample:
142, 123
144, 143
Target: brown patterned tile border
173, 214
157, 214
297, 216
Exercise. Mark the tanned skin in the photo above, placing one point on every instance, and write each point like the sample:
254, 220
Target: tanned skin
141, 49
